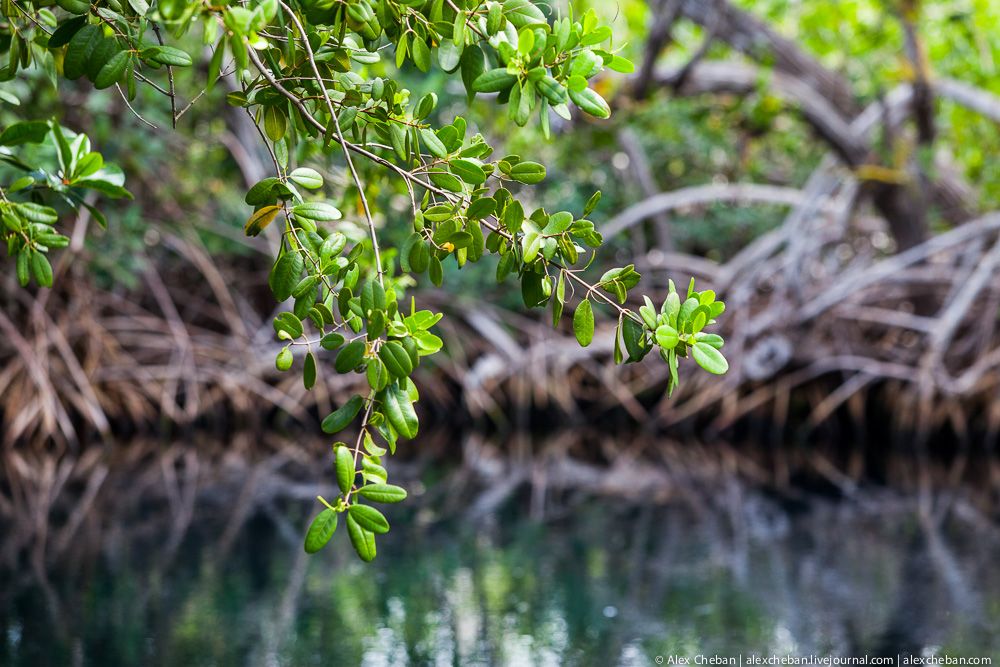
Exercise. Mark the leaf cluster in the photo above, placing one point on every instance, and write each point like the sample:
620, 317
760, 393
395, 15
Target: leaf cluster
310, 74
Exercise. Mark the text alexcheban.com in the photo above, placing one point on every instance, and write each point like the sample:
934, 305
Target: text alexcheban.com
761, 660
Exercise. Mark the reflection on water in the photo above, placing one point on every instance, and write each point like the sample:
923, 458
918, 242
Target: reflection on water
608, 585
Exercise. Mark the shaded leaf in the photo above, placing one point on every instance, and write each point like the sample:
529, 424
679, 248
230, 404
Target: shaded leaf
340, 418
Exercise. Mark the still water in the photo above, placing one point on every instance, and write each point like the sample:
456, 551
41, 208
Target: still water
605, 584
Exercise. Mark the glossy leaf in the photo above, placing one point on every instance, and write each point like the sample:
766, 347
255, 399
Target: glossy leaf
350, 356
369, 518
583, 323
528, 172
341, 418
167, 55
309, 371
307, 178
285, 275
383, 493
320, 531
318, 211
344, 464
362, 540
399, 411
666, 337
709, 358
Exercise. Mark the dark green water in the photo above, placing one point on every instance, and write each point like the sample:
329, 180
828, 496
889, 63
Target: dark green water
605, 585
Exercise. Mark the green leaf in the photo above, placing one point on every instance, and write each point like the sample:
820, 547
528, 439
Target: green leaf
709, 358
532, 292
332, 245
369, 518
433, 143
583, 323
362, 540
112, 71
88, 165
377, 375
592, 203
468, 171
522, 13
344, 465
288, 323
633, 335
285, 275
648, 313
331, 341
37, 213
78, 52
420, 257
425, 106
309, 371
104, 187
340, 418
493, 81
262, 192
41, 269
275, 123
686, 311
406, 249
494, 18
397, 137
383, 493
531, 243
284, 359
166, 55
372, 296
427, 343
399, 411
67, 29
28, 132
422, 320
74, 6
140, 7
396, 360
591, 102
473, 65
102, 53
618, 356
436, 271
321, 530
421, 55
558, 223
715, 340
349, 357
450, 55
528, 172
307, 178
672, 364
666, 337
23, 267
447, 181
318, 211
620, 64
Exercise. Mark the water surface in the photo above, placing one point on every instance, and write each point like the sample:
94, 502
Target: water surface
607, 584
